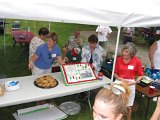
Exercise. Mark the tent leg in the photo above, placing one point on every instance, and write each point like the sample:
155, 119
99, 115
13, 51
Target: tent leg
89, 101
34, 27
116, 51
4, 37
49, 26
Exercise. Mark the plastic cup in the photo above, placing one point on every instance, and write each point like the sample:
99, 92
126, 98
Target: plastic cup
151, 89
100, 76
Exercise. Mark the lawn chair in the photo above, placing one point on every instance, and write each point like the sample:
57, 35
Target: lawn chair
15, 27
2, 26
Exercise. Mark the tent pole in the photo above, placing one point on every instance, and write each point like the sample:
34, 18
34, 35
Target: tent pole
116, 51
4, 37
34, 27
49, 26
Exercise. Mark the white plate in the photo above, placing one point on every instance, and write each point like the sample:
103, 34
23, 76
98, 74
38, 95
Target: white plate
70, 108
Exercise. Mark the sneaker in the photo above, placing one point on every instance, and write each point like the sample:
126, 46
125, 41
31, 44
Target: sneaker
155, 99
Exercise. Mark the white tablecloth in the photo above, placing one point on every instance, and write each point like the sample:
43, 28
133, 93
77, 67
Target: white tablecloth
29, 92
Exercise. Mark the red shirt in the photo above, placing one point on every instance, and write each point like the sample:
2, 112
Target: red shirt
128, 70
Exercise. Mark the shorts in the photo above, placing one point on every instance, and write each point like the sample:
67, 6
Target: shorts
132, 96
38, 71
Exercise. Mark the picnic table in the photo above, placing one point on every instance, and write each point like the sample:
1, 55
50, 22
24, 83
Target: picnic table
23, 38
145, 91
28, 92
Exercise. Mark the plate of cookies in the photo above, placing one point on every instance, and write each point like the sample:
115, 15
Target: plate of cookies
46, 82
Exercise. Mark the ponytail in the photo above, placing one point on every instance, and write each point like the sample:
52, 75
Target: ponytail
117, 96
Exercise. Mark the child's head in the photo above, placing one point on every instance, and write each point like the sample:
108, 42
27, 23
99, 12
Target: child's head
111, 104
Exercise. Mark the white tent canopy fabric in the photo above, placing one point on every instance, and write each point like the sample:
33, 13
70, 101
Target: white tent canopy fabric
135, 13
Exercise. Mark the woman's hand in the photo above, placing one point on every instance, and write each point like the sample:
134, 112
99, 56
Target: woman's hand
60, 60
123, 80
132, 82
30, 65
128, 81
31, 61
66, 60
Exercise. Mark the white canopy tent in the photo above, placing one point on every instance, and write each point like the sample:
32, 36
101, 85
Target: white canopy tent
135, 13
120, 13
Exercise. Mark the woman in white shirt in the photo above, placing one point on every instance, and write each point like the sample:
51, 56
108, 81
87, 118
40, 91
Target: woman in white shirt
103, 32
37, 41
154, 55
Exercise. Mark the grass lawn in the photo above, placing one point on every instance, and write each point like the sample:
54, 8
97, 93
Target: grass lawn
12, 66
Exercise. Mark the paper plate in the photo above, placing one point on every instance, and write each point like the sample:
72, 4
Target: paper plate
70, 108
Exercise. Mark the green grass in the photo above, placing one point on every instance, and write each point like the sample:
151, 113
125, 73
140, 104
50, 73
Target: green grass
12, 66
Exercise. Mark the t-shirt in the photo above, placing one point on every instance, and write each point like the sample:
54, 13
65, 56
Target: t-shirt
128, 70
129, 31
35, 42
103, 31
46, 57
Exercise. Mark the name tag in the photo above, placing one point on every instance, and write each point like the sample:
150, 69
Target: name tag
74, 58
130, 67
53, 55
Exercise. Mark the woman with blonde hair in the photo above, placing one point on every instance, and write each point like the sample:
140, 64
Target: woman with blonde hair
111, 104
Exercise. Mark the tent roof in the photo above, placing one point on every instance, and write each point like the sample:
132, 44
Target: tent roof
135, 13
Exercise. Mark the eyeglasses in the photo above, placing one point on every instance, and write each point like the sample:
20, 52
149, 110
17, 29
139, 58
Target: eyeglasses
49, 56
